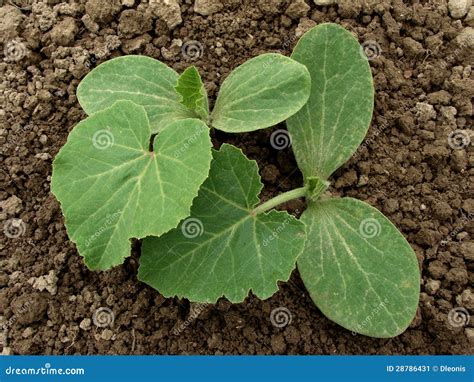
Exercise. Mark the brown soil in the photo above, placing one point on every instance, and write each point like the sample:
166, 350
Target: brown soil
407, 169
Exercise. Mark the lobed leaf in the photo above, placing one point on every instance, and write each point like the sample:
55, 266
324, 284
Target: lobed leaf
193, 93
112, 188
262, 92
358, 268
140, 79
334, 121
223, 249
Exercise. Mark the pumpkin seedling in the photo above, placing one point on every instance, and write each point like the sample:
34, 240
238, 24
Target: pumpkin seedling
134, 166
357, 267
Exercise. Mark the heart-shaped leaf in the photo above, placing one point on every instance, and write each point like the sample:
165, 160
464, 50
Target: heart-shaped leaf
223, 249
262, 92
331, 126
112, 188
358, 268
193, 93
140, 79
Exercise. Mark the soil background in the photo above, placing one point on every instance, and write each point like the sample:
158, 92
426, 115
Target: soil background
421, 60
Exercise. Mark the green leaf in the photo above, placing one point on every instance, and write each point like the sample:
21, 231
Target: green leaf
331, 126
358, 268
112, 188
193, 93
316, 187
223, 249
262, 92
142, 80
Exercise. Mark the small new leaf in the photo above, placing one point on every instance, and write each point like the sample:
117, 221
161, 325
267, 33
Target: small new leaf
316, 187
223, 249
262, 92
113, 189
359, 270
193, 93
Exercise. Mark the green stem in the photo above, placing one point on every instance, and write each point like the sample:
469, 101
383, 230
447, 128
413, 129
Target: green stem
280, 199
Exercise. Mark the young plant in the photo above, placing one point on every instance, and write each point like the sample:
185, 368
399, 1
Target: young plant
358, 268
134, 166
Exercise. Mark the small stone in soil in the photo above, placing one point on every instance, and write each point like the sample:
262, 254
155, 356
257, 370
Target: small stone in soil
167, 10
65, 32
432, 286
207, 7
297, 9
10, 206
325, 2
85, 324
459, 8
103, 11
107, 334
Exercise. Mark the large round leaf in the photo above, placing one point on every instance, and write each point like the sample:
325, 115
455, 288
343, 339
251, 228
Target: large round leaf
359, 270
262, 92
331, 126
143, 80
223, 249
112, 188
